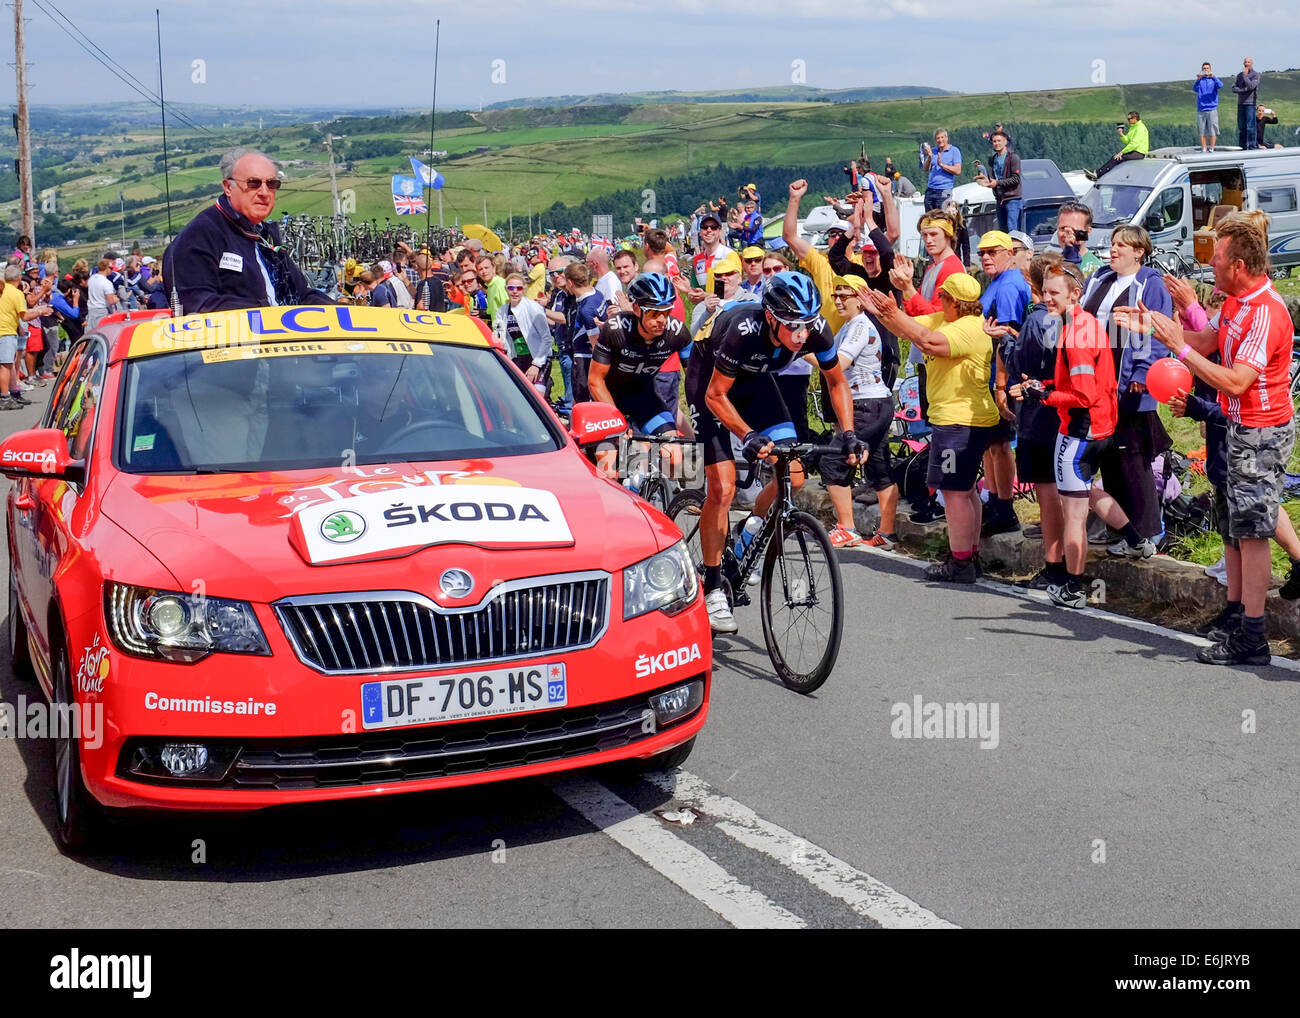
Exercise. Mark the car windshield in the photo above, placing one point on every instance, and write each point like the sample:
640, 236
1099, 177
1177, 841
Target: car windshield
1113, 204
223, 410
1040, 220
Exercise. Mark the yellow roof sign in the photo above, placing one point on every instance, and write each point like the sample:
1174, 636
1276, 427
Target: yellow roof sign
378, 328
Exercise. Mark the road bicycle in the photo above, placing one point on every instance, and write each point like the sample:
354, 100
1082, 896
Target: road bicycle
1172, 261
801, 598
651, 483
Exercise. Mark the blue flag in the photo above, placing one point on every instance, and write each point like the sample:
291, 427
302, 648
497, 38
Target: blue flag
408, 196
427, 174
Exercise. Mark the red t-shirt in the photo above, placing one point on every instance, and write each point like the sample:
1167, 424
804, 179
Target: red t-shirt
1084, 394
1256, 330
918, 305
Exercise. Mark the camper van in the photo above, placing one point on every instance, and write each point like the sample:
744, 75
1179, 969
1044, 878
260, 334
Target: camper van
1044, 190
1177, 194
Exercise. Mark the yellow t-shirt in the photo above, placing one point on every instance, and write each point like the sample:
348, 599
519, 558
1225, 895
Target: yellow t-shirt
957, 386
823, 276
13, 305
536, 282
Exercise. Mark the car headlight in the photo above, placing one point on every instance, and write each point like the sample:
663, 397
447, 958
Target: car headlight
665, 581
179, 627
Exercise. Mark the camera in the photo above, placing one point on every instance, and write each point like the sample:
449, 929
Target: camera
1080, 236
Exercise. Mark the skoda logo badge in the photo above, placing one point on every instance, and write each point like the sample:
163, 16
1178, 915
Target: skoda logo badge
456, 583
343, 527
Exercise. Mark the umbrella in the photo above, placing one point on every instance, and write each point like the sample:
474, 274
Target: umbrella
473, 231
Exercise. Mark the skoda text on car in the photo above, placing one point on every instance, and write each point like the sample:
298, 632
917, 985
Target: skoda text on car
293, 554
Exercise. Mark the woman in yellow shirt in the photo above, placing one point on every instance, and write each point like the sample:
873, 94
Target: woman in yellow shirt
963, 416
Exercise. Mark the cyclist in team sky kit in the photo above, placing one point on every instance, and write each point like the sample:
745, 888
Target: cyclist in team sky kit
731, 389
630, 350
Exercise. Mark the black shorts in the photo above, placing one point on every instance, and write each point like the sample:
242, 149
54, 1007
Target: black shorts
871, 421
1003, 431
759, 404
1036, 461
956, 452
645, 410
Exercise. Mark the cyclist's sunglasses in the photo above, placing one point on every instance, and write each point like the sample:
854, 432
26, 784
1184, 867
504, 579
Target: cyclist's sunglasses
256, 183
655, 313
803, 323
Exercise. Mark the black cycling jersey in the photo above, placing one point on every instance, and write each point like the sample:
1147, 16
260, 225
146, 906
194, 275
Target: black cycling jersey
741, 346
633, 362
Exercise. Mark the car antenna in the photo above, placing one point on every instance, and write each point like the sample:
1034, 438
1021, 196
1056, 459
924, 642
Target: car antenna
167, 180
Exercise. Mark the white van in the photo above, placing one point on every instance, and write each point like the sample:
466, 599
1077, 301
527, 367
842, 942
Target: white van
1176, 192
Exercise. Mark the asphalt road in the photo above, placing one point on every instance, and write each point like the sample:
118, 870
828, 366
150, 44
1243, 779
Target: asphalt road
1118, 789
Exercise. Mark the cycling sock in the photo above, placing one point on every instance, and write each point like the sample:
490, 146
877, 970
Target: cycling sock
963, 556
1074, 581
1131, 535
1232, 608
1056, 570
1252, 627
712, 578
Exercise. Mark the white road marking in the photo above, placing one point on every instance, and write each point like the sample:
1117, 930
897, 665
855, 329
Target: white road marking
1041, 597
682, 863
860, 891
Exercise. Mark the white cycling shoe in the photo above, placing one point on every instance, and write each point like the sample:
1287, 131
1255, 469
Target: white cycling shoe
720, 618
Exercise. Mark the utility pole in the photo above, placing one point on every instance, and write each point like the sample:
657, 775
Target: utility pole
334, 182
121, 197
440, 222
485, 212
23, 126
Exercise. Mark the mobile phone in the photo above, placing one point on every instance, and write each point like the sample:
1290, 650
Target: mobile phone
717, 288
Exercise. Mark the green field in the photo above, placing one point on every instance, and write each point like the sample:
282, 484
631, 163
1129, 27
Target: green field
538, 157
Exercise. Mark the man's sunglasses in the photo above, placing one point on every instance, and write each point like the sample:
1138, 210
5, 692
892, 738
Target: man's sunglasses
256, 183
752, 261
703, 228
514, 289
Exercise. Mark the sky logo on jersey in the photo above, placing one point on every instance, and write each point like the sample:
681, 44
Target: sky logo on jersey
748, 327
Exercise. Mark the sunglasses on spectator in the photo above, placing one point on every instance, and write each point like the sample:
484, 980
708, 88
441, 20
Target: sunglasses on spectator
256, 183
514, 289
751, 261
770, 270
703, 228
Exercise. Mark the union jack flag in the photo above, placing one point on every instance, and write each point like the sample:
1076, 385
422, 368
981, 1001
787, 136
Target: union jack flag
603, 244
409, 205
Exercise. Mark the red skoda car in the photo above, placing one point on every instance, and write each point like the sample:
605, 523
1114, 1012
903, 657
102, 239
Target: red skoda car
293, 554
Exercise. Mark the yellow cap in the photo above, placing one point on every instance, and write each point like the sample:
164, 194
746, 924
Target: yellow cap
995, 238
960, 286
840, 282
752, 252
730, 262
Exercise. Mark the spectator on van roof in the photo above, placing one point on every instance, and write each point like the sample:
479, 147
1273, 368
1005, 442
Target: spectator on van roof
1207, 88
1247, 88
1137, 143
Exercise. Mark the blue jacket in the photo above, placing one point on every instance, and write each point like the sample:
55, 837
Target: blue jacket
1207, 93
1139, 351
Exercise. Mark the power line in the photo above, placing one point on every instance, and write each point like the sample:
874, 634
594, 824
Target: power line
109, 64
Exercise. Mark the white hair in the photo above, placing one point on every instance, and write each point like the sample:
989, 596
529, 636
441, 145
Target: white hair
232, 157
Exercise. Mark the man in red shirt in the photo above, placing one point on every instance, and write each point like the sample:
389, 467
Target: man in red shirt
1253, 338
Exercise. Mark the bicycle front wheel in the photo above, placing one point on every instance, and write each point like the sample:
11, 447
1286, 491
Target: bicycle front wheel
802, 603
684, 510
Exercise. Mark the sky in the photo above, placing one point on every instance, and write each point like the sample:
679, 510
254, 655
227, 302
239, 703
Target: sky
362, 53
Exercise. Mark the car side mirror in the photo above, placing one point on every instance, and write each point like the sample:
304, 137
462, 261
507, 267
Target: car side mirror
595, 422
1154, 223
40, 453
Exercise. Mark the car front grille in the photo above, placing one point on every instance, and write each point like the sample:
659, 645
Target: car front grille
389, 631
414, 754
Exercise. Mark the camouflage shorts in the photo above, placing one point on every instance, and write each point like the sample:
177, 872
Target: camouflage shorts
1257, 459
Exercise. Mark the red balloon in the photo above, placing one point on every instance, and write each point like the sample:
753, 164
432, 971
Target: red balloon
1165, 377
